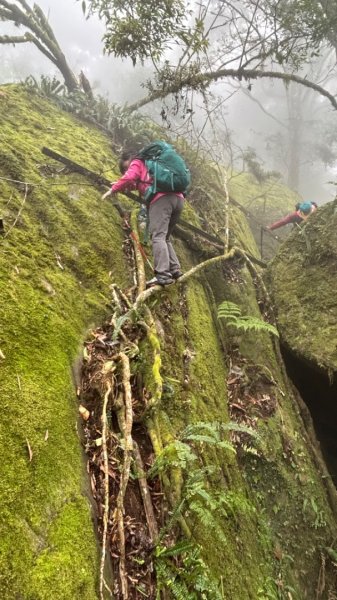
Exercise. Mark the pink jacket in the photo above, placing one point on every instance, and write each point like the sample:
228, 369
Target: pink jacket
137, 178
294, 217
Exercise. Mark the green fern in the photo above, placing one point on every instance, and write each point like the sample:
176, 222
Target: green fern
175, 454
187, 578
231, 312
198, 502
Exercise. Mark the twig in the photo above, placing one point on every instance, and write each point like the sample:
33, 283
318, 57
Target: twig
19, 213
114, 286
106, 488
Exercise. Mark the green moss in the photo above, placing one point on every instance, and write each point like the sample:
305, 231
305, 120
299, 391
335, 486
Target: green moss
266, 202
54, 276
303, 281
267, 497
64, 550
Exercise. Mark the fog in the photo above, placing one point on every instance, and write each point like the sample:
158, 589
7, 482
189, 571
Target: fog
80, 40
260, 118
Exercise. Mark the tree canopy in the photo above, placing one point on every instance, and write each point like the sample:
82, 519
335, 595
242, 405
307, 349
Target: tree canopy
192, 44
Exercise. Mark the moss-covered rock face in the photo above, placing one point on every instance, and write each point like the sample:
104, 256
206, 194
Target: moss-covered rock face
265, 203
304, 287
265, 541
54, 278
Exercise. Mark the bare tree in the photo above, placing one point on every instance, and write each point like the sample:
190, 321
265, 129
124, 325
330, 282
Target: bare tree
39, 33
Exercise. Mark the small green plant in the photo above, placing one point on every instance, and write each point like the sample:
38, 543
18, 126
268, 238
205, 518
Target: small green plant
318, 517
181, 571
188, 578
50, 87
232, 313
180, 452
125, 129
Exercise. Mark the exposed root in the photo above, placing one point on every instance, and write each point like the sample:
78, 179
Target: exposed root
128, 447
258, 276
144, 490
133, 529
144, 296
321, 579
106, 488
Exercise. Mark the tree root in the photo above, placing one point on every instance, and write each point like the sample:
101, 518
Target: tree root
144, 296
126, 422
106, 489
144, 490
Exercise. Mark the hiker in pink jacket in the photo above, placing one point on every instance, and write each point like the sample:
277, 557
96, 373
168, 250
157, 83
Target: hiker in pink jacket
163, 213
302, 212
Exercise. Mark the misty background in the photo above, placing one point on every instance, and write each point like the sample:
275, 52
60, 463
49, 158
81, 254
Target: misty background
292, 130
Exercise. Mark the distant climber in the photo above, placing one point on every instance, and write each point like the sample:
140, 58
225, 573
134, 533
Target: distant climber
302, 212
164, 207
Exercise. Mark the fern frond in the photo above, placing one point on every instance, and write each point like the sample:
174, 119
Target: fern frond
176, 454
209, 427
232, 426
171, 551
229, 309
256, 324
233, 315
119, 324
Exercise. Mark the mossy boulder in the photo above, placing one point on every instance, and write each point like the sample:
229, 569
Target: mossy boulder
304, 286
61, 241
265, 202
62, 248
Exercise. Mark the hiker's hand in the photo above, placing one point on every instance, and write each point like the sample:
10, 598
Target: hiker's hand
109, 193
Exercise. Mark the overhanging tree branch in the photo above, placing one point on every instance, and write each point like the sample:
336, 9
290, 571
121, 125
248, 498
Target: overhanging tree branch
204, 79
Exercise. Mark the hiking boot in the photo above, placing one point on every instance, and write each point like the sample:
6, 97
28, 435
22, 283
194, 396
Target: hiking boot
177, 274
159, 281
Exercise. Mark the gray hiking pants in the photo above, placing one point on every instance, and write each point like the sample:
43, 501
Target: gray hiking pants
163, 215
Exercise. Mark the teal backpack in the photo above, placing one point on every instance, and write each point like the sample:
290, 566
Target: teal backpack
166, 167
